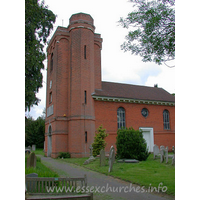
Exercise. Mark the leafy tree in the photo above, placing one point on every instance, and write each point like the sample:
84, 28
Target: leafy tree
99, 141
131, 144
38, 24
153, 32
34, 132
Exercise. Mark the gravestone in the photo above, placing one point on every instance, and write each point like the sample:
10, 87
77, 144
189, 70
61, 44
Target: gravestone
173, 160
31, 185
166, 154
156, 151
102, 157
91, 151
162, 153
111, 158
33, 147
31, 160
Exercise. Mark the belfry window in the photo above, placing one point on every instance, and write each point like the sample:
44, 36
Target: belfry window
166, 119
85, 51
121, 118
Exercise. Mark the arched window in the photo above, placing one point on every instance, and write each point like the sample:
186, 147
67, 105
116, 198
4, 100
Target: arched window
49, 132
121, 118
166, 119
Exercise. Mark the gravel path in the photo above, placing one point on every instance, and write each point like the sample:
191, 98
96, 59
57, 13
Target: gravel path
103, 184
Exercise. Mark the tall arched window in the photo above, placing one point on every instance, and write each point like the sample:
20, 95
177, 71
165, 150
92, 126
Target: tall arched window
166, 119
121, 118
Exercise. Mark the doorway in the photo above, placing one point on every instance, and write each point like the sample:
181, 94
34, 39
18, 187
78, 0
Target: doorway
148, 135
49, 142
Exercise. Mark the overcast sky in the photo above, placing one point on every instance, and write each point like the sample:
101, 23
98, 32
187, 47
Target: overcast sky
116, 65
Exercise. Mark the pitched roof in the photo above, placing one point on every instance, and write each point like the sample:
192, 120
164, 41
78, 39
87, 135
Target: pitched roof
120, 90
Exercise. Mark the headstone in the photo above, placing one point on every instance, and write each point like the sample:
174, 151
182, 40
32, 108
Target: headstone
102, 157
44, 147
162, 152
111, 158
33, 147
173, 160
31, 186
31, 160
156, 151
166, 154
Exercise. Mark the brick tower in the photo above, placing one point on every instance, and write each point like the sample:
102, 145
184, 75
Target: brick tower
73, 74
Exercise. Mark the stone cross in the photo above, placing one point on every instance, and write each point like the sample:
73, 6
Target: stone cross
111, 158
91, 150
31, 160
102, 157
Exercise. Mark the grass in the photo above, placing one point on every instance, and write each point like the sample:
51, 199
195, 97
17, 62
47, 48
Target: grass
149, 173
40, 169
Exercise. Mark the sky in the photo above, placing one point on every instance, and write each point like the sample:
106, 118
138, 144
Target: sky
116, 65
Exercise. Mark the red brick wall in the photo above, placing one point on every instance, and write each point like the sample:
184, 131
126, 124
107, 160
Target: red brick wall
106, 115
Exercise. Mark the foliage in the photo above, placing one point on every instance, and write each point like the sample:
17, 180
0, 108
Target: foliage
38, 24
153, 35
131, 144
34, 132
99, 141
64, 155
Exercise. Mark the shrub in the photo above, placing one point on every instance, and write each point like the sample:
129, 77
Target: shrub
99, 141
64, 155
131, 144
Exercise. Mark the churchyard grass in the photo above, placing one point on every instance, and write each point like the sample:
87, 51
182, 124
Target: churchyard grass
40, 169
39, 151
149, 173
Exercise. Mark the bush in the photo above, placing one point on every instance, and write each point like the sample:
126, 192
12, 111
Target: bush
131, 144
64, 155
99, 141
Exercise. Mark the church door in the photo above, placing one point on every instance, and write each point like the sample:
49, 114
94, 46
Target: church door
149, 137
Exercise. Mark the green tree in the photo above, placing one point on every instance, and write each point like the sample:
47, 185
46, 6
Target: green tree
34, 132
99, 141
152, 34
38, 24
131, 144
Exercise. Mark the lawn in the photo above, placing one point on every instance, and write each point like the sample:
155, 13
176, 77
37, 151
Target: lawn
40, 169
149, 173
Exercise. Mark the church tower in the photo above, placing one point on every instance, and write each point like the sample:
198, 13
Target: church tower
73, 74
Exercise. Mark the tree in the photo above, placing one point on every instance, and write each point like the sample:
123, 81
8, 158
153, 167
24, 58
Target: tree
34, 132
38, 24
153, 33
131, 144
99, 141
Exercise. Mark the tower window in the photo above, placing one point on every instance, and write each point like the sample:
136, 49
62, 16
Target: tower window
85, 136
85, 51
50, 97
85, 97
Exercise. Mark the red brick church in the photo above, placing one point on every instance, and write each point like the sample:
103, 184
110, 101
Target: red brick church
78, 101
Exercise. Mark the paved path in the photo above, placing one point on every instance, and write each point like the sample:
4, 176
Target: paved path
102, 182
